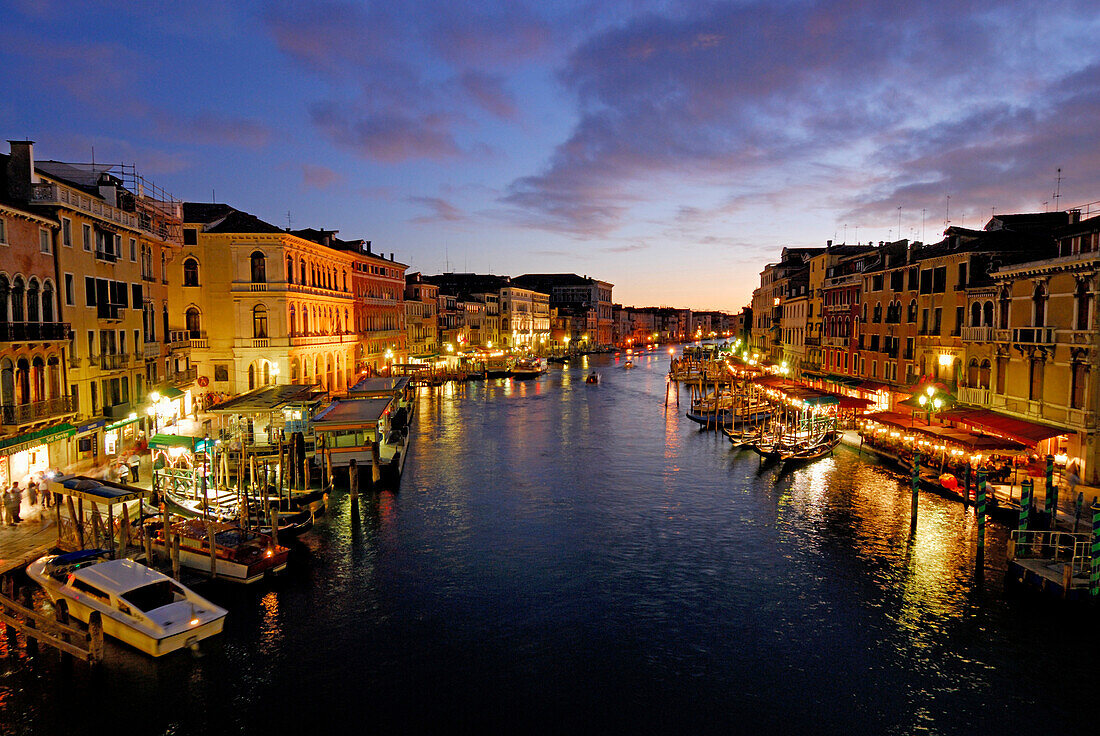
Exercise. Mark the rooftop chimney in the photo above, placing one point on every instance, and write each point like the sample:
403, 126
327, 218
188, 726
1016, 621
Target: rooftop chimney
391, 256
1074, 216
21, 170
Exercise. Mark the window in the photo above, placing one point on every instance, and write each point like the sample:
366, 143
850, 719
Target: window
259, 321
133, 250
962, 275
1005, 303
87, 232
190, 272
74, 392
69, 296
3, 231
960, 317
925, 281
1035, 380
193, 323
45, 241
163, 267
289, 270
897, 281
911, 317
1039, 303
66, 232
190, 237
938, 316
259, 267
1077, 387
983, 374
89, 291
1084, 302
221, 372
876, 282
136, 296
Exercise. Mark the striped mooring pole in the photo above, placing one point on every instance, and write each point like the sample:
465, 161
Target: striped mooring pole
1052, 494
981, 519
915, 484
1094, 578
1025, 503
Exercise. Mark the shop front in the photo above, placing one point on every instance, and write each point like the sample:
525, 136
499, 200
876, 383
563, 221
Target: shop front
33, 453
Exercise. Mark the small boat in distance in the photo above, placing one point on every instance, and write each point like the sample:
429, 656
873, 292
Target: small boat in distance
628, 364
528, 367
242, 556
593, 377
139, 606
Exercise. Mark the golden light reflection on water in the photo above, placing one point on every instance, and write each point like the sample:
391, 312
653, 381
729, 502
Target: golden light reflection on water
271, 629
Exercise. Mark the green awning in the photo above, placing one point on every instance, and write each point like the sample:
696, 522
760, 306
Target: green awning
164, 441
25, 441
168, 392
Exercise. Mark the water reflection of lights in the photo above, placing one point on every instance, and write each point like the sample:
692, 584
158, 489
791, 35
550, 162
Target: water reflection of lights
271, 631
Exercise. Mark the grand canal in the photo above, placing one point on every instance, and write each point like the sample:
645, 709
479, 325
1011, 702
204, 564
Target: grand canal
573, 558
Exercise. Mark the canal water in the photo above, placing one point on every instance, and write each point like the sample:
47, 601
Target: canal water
570, 558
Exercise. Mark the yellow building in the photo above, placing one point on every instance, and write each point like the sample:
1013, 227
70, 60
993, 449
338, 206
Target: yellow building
1047, 345
116, 236
264, 306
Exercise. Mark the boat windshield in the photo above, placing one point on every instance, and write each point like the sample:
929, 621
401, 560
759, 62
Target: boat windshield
154, 595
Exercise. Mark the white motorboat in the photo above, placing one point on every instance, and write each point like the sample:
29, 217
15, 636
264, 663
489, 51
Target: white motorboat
139, 606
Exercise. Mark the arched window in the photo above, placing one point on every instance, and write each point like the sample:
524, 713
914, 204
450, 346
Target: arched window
1084, 302
878, 313
1039, 303
193, 322
302, 271
251, 376
345, 280
32, 300
163, 267
47, 302
17, 305
190, 272
22, 382
53, 376
1005, 302
289, 270
7, 382
5, 292
972, 373
911, 317
259, 321
38, 379
293, 324
987, 314
259, 267
976, 314
983, 373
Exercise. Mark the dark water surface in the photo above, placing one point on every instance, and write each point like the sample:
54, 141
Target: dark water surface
571, 558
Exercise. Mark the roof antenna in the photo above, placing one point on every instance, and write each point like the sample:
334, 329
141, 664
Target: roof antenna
947, 214
288, 220
1058, 189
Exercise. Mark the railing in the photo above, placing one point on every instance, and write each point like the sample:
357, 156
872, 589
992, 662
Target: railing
114, 361
813, 341
836, 342
151, 350
186, 376
260, 342
106, 255
48, 192
976, 396
148, 277
109, 311
257, 287
74, 362
1051, 545
21, 413
977, 334
33, 331
1033, 335
198, 342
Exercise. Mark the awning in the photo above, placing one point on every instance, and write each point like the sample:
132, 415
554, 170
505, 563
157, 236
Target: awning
164, 441
351, 414
1021, 430
25, 441
871, 386
98, 491
844, 380
169, 392
940, 433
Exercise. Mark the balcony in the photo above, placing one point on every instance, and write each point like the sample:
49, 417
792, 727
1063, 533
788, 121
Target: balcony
33, 331
186, 376
813, 341
106, 256
56, 194
120, 410
113, 312
977, 334
36, 411
114, 361
199, 343
976, 396
1033, 335
151, 350
837, 342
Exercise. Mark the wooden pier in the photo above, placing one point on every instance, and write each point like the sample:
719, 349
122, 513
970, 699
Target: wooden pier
21, 617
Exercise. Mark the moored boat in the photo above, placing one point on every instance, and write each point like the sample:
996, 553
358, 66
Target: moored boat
592, 377
137, 605
241, 555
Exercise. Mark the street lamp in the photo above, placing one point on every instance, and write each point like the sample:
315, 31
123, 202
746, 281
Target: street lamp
930, 401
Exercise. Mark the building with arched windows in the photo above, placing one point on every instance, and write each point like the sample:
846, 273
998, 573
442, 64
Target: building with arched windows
114, 237
263, 305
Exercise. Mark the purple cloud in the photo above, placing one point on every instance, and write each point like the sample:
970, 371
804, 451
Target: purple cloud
212, 129
441, 210
488, 92
760, 95
320, 177
391, 137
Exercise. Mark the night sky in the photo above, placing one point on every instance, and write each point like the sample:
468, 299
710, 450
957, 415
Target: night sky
670, 148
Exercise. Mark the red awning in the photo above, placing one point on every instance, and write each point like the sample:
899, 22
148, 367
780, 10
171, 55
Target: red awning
851, 402
1021, 430
871, 386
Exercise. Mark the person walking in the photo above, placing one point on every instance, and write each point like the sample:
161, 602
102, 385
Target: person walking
12, 500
